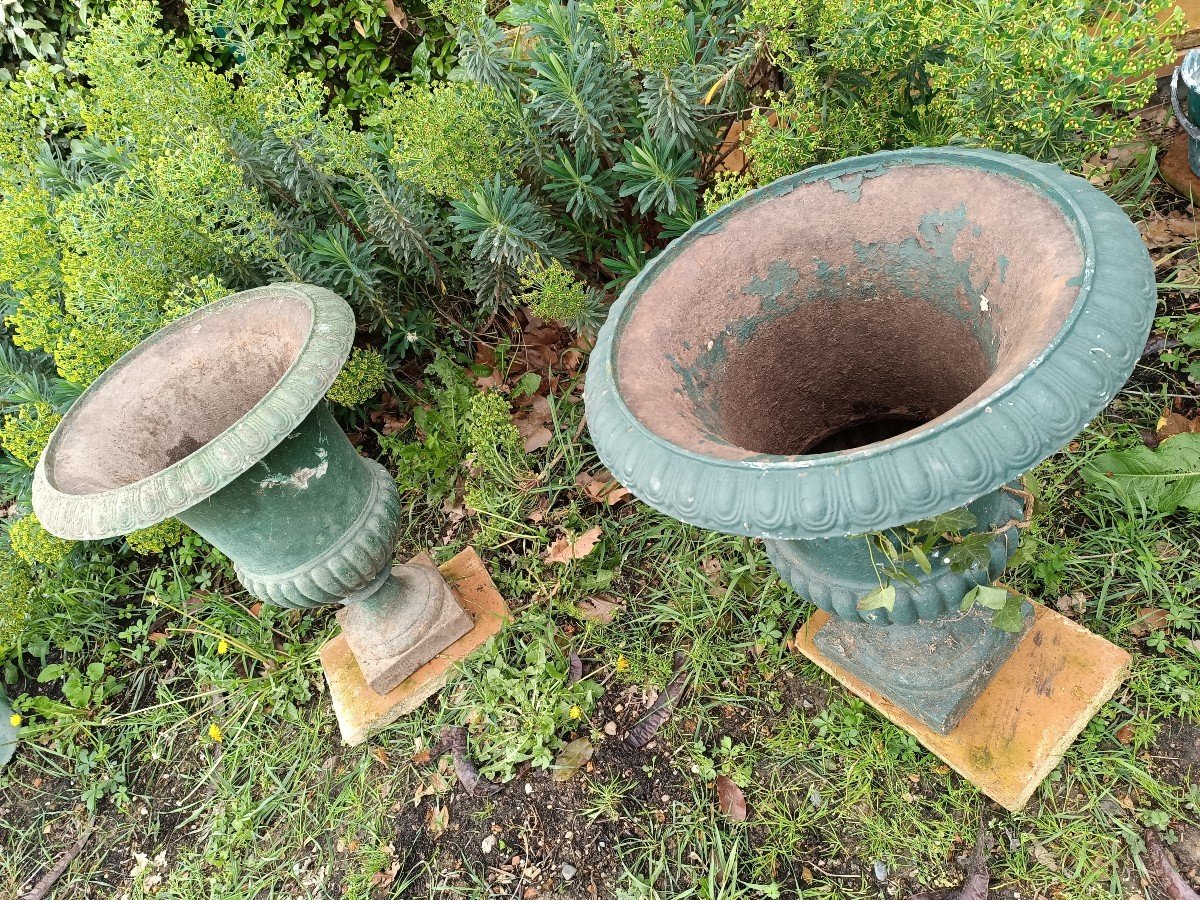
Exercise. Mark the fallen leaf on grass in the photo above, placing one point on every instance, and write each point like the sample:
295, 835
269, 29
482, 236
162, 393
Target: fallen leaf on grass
730, 799
601, 487
566, 549
437, 819
662, 707
1149, 620
1124, 734
454, 740
575, 673
572, 758
1073, 603
1171, 424
602, 609
1167, 231
1163, 871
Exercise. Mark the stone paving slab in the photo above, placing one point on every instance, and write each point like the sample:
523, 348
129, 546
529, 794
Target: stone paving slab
361, 711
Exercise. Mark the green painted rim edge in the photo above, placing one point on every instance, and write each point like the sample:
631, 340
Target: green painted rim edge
201, 474
890, 483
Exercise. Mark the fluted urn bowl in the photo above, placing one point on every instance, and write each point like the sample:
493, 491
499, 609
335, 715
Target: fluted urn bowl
220, 420
866, 344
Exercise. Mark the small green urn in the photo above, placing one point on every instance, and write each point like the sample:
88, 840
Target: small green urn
867, 344
8, 731
219, 419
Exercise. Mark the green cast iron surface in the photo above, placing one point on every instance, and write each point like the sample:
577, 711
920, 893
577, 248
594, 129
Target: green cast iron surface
201, 474
835, 573
930, 470
8, 734
309, 523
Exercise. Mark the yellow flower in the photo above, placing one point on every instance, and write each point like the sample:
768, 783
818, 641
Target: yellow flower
222, 647
214, 732
576, 712
14, 720
622, 663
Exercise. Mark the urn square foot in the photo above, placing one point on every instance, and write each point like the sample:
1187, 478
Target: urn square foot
366, 628
362, 711
1023, 721
932, 670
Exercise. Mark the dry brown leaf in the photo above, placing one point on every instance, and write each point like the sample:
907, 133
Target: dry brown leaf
601, 487
398, 16
1124, 734
572, 759
380, 754
1172, 423
566, 549
602, 608
537, 439
1149, 620
437, 819
730, 799
358, 26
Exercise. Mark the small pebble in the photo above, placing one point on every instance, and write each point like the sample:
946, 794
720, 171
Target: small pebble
610, 728
568, 871
881, 871
488, 844
528, 788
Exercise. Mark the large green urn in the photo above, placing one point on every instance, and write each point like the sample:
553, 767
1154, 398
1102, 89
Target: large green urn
863, 345
219, 419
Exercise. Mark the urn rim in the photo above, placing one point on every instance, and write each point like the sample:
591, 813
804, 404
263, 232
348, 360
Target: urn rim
1051, 400
200, 474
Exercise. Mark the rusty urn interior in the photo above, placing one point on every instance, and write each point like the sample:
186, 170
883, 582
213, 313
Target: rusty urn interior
848, 311
189, 409
178, 392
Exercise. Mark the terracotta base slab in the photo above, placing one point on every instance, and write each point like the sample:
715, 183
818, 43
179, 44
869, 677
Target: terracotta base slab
1176, 172
1024, 721
360, 711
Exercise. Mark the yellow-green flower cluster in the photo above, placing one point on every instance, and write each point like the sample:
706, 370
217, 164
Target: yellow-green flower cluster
35, 545
362, 377
551, 291
26, 432
17, 585
649, 32
725, 188
449, 137
157, 538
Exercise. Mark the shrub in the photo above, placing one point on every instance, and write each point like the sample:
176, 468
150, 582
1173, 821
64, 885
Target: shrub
157, 538
35, 545
17, 586
26, 433
361, 378
1054, 79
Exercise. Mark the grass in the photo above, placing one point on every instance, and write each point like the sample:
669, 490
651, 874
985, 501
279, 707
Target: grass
842, 804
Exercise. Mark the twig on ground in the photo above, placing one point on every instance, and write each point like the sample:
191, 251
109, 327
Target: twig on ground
42, 889
1164, 873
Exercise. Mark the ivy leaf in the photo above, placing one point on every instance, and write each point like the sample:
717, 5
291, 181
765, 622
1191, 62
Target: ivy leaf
955, 520
1161, 480
880, 598
1009, 618
973, 550
985, 595
920, 558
